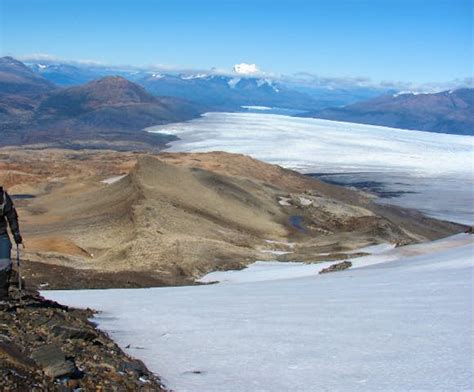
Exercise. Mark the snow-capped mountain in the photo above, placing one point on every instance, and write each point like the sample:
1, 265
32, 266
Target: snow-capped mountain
245, 85
227, 92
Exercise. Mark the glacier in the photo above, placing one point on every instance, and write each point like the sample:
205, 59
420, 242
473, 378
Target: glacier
400, 321
434, 171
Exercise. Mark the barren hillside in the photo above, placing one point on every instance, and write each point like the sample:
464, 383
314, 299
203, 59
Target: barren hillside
170, 218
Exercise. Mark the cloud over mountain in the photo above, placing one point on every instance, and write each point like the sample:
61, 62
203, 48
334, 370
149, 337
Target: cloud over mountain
246, 69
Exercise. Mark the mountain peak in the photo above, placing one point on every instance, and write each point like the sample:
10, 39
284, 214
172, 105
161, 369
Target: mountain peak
114, 90
9, 59
114, 80
16, 77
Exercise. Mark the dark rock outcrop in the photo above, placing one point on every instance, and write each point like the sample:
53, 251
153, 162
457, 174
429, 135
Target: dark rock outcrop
337, 267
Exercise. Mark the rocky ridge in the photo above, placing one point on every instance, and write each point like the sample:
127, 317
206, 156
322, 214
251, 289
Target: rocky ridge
45, 346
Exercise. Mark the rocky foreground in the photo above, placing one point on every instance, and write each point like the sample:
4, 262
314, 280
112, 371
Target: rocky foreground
45, 346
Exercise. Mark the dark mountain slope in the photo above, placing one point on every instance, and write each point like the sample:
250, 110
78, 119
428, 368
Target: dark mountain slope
17, 78
445, 112
110, 103
110, 112
20, 90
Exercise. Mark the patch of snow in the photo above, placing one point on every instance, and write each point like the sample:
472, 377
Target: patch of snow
233, 82
276, 252
256, 107
305, 202
112, 180
403, 324
268, 82
157, 76
284, 201
42, 66
374, 249
410, 93
289, 244
196, 76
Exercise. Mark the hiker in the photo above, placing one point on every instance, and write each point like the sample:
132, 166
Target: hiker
7, 214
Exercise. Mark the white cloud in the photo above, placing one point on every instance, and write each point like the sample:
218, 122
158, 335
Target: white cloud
246, 69
38, 57
49, 58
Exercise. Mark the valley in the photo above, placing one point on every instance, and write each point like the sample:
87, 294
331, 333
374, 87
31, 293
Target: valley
230, 196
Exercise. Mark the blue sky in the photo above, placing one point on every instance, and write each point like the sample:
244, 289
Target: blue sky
413, 41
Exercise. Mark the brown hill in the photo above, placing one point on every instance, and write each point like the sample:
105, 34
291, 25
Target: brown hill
105, 111
175, 217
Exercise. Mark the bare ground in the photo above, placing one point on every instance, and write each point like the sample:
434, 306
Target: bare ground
166, 219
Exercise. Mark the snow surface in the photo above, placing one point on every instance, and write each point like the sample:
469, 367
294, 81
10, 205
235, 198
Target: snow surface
194, 76
233, 82
381, 253
113, 180
438, 168
403, 324
256, 107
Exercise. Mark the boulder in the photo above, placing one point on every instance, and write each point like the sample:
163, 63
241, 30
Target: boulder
66, 332
337, 267
12, 354
53, 361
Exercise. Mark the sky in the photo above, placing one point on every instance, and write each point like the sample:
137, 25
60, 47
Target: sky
384, 40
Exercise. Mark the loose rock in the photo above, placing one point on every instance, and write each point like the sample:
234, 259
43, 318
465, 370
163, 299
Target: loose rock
45, 346
337, 267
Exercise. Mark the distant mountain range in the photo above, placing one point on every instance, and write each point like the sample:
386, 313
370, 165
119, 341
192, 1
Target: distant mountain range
227, 93
216, 91
445, 112
109, 112
96, 106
